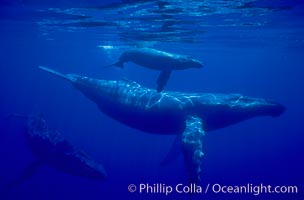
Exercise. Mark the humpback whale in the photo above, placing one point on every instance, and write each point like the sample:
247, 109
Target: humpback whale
158, 60
52, 149
189, 115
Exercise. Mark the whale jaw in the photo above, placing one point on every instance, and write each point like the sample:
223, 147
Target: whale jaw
269, 108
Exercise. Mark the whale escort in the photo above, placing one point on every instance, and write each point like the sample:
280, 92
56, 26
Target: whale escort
53, 150
188, 115
158, 60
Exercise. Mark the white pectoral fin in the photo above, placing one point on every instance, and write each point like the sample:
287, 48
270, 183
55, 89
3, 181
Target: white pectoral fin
192, 147
163, 79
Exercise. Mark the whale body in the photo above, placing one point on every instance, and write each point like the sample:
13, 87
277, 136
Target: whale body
158, 60
53, 150
188, 115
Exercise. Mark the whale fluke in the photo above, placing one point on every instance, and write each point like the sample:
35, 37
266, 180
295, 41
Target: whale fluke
52, 72
16, 115
69, 77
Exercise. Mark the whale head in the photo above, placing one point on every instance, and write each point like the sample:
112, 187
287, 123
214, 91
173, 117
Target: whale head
244, 107
189, 62
255, 106
222, 110
270, 108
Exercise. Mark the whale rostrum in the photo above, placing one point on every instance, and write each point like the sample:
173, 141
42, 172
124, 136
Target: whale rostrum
188, 115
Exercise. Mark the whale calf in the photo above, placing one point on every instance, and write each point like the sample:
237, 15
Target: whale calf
52, 149
188, 115
158, 60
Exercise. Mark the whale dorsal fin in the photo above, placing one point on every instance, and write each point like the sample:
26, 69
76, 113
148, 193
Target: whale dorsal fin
163, 79
131, 82
192, 147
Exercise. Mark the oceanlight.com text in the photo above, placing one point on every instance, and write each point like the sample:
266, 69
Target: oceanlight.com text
252, 189
216, 188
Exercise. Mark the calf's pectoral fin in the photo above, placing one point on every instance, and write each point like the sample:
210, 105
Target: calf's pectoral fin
163, 79
118, 64
192, 147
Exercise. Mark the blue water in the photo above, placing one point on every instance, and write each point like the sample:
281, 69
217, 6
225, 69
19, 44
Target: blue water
251, 47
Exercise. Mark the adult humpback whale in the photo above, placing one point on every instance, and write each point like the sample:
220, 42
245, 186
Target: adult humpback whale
52, 149
189, 115
158, 60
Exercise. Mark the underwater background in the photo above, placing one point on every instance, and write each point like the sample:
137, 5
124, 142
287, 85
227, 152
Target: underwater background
255, 48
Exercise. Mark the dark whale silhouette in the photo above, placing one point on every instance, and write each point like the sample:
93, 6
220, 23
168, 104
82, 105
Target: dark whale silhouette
52, 149
158, 60
189, 115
